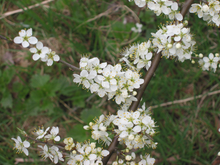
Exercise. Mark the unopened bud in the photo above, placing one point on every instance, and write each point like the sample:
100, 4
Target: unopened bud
91, 124
200, 55
93, 145
193, 61
178, 45
185, 23
74, 151
127, 150
86, 127
216, 54
128, 157
169, 46
134, 93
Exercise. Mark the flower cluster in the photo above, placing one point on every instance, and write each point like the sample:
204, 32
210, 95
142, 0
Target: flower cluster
138, 56
52, 152
166, 7
208, 11
21, 146
39, 51
135, 128
174, 41
209, 63
87, 154
130, 159
107, 79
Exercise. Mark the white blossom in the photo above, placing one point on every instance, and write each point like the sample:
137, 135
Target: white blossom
21, 146
25, 38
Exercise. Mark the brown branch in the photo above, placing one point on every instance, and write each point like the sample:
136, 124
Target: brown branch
147, 79
69, 65
111, 149
186, 7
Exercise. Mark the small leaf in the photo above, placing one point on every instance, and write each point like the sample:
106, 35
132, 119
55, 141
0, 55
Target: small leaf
87, 115
6, 101
78, 133
39, 80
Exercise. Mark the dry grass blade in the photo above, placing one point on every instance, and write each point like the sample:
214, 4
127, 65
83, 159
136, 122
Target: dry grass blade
25, 8
186, 100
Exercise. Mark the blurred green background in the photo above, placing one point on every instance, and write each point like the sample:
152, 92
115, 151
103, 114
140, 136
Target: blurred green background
33, 94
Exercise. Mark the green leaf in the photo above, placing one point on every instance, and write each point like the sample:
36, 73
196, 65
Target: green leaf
39, 80
87, 115
6, 101
78, 133
7, 75
37, 95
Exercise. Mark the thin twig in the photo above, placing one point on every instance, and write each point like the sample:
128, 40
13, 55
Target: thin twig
25, 8
186, 100
76, 118
69, 65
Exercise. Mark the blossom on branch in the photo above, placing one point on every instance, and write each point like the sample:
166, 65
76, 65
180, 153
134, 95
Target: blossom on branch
21, 146
25, 38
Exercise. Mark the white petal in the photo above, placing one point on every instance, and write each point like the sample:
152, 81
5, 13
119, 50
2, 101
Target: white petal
39, 45
25, 44
35, 57
179, 17
18, 40
29, 32
26, 144
57, 138
45, 50
33, 50
22, 33
137, 129
49, 62
105, 152
32, 40
56, 58
25, 151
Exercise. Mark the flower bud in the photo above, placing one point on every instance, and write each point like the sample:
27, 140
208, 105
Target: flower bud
169, 46
128, 157
193, 61
200, 55
74, 151
91, 124
185, 23
178, 45
93, 145
86, 127
216, 54
134, 93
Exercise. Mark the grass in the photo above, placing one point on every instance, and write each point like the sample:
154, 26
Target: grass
33, 94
